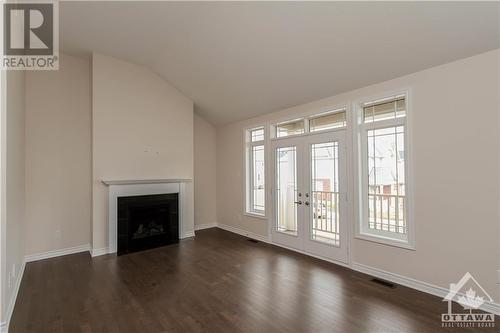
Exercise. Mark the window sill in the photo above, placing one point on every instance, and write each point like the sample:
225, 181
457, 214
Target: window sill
255, 215
386, 241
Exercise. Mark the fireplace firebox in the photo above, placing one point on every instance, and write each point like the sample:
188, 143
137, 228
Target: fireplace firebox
147, 221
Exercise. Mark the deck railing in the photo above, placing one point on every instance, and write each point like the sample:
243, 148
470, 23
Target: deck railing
325, 213
386, 212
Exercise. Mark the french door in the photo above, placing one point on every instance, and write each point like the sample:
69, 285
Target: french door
309, 194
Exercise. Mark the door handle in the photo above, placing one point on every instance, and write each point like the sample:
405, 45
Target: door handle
298, 202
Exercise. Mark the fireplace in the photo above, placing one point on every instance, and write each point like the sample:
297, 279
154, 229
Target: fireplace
147, 221
182, 189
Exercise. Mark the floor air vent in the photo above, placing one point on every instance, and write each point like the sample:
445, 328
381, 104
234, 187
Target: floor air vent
252, 240
384, 283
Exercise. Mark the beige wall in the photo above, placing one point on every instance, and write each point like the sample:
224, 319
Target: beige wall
498, 206
455, 134
204, 172
13, 187
142, 128
58, 156
230, 178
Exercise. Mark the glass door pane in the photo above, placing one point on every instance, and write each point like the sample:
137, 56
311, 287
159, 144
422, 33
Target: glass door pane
286, 190
325, 192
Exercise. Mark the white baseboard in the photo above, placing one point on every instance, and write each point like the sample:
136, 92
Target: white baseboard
4, 326
417, 285
57, 253
204, 226
187, 235
243, 232
99, 252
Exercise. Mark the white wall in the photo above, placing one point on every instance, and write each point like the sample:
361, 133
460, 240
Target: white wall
142, 128
58, 156
204, 172
455, 133
13, 189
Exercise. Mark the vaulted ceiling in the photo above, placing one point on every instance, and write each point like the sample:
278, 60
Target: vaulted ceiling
236, 60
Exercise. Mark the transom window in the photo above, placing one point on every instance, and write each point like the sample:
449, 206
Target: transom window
319, 122
257, 134
331, 120
383, 170
255, 172
288, 128
384, 109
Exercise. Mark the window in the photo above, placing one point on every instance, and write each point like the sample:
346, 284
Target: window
257, 135
331, 120
288, 128
255, 170
324, 121
384, 202
383, 109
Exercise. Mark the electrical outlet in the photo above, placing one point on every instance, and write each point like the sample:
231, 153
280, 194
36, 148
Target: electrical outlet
13, 270
9, 280
58, 234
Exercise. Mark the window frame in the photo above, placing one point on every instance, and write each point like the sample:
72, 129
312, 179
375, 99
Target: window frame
306, 117
362, 230
328, 113
249, 165
305, 125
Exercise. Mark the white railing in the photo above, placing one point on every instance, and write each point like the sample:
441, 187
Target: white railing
386, 212
325, 214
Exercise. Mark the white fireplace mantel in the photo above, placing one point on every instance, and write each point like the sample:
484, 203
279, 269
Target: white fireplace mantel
144, 181
132, 187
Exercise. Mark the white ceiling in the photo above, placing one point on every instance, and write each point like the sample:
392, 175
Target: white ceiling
238, 60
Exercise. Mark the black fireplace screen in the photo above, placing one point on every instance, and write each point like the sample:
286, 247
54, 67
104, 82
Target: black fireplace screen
147, 221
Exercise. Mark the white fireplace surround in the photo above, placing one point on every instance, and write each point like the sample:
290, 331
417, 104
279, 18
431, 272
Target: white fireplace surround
127, 188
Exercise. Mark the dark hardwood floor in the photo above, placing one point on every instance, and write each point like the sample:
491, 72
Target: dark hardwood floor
216, 282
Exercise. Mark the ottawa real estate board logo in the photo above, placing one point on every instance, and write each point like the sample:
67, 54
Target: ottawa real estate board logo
469, 294
30, 35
